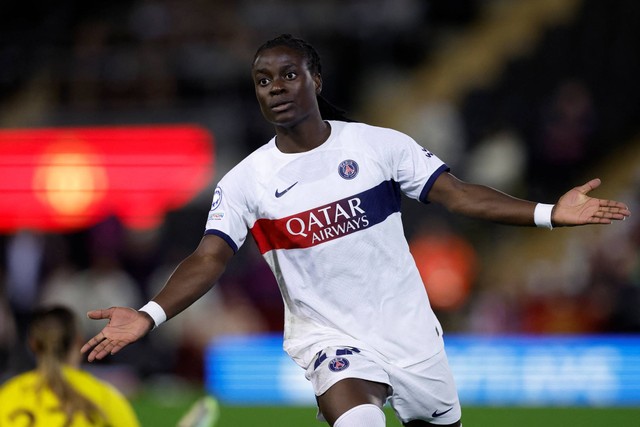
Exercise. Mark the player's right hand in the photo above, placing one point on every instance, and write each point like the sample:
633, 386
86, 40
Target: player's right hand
125, 326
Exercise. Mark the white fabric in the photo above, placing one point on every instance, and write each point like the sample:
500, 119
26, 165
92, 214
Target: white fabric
156, 312
367, 415
337, 363
424, 391
542, 215
328, 223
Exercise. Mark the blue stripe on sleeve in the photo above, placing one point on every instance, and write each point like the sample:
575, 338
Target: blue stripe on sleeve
427, 187
224, 237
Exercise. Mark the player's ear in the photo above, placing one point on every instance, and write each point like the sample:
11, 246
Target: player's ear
317, 79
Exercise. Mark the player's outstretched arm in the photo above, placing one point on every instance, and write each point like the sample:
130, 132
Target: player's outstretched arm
195, 275
575, 207
125, 326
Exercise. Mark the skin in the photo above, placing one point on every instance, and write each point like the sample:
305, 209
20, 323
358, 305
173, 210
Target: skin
286, 92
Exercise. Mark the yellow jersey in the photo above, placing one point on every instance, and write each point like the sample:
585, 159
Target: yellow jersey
22, 406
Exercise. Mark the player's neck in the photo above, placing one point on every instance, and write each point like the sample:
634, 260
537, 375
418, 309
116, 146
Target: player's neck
303, 137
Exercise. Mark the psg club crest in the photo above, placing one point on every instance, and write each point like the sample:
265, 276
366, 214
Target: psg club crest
348, 169
338, 364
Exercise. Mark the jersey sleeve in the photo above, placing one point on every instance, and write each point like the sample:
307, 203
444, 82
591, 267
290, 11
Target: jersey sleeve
416, 167
228, 216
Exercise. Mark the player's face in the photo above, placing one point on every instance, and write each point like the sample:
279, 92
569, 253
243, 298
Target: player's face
285, 89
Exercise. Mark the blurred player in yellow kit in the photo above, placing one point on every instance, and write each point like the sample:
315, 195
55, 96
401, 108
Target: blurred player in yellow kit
58, 393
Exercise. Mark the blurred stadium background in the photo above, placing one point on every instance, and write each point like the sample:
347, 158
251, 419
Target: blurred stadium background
117, 119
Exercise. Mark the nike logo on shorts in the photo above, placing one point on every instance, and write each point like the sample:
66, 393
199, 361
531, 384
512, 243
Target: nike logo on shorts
281, 193
437, 414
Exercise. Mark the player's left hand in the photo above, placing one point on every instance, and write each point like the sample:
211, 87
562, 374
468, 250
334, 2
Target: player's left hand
575, 207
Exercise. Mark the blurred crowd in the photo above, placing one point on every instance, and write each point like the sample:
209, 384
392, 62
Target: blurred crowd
551, 117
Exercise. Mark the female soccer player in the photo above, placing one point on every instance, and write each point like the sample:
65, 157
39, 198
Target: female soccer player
57, 393
322, 201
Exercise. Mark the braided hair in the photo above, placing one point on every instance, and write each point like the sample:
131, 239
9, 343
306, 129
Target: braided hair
328, 111
52, 334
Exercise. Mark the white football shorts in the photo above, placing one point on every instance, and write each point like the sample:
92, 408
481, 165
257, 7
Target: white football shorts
424, 391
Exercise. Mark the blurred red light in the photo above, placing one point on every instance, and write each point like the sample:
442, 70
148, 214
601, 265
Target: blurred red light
447, 265
61, 179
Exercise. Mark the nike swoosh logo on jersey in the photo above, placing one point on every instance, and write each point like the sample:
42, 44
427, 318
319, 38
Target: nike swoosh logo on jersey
281, 193
437, 414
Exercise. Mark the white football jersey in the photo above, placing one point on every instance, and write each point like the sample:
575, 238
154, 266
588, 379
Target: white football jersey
328, 223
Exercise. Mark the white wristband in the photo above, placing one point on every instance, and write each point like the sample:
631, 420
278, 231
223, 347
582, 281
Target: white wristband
542, 215
156, 312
